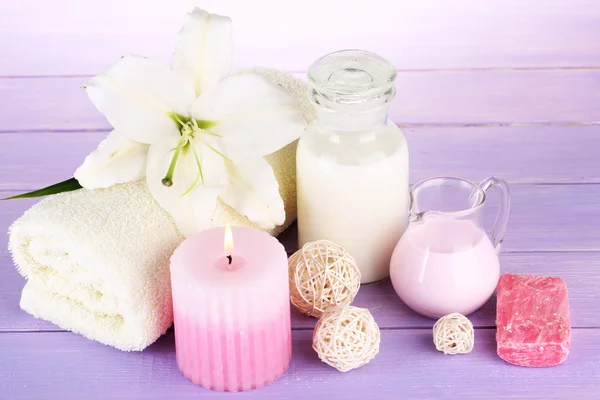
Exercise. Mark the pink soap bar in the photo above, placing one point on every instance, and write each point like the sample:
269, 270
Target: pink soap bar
532, 320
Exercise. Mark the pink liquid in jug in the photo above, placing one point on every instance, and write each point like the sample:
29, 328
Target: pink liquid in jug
441, 266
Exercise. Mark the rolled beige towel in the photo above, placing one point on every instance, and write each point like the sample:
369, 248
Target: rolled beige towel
97, 261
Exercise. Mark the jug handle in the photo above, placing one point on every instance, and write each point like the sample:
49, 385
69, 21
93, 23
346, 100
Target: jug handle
499, 227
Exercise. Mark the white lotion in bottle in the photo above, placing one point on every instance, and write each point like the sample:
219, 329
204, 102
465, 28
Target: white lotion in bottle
352, 163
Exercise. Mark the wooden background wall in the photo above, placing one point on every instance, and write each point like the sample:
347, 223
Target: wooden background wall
465, 62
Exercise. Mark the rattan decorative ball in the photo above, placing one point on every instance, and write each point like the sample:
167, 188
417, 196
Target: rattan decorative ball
453, 334
346, 338
322, 276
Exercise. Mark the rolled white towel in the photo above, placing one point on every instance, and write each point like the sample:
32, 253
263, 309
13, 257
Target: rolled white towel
97, 262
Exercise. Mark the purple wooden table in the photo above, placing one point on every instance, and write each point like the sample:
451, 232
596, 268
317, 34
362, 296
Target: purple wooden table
526, 109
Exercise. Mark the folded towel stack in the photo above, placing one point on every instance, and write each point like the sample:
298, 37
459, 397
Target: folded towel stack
97, 262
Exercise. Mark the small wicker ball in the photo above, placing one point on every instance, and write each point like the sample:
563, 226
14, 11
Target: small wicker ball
346, 338
453, 334
322, 276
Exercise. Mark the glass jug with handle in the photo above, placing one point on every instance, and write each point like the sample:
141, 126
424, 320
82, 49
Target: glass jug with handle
445, 262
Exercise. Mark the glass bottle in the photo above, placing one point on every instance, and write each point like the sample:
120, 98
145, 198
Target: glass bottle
352, 162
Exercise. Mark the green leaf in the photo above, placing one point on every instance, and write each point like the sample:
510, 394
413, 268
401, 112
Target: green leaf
64, 186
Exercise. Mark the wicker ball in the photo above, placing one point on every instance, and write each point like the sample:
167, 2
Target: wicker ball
453, 334
346, 338
322, 276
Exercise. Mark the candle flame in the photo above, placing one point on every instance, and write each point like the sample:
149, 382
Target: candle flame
228, 243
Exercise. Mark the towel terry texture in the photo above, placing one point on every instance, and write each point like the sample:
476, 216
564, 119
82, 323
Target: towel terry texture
97, 261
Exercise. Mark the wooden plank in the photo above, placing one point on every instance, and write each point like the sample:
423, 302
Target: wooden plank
34, 160
581, 271
84, 39
63, 105
424, 98
60, 365
520, 155
543, 218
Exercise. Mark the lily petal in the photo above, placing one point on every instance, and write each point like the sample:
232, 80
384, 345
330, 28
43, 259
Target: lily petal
138, 95
117, 159
255, 117
204, 49
253, 191
190, 202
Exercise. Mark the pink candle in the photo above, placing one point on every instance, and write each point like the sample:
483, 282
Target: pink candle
232, 309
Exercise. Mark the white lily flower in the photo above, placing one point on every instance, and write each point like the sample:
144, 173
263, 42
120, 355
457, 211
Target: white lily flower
117, 159
197, 133
204, 49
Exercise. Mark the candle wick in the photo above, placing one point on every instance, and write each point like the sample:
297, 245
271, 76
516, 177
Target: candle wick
230, 258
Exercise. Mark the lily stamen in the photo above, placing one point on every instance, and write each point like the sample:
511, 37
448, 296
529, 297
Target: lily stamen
199, 177
168, 179
204, 142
